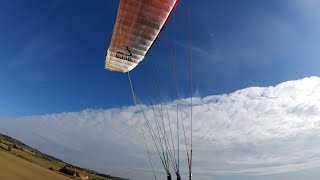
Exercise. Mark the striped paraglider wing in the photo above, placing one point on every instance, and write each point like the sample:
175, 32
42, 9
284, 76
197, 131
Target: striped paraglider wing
138, 25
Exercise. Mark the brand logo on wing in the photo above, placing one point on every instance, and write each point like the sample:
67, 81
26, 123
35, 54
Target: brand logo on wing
126, 55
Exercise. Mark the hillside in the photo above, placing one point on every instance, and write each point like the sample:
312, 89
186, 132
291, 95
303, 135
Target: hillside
17, 168
24, 162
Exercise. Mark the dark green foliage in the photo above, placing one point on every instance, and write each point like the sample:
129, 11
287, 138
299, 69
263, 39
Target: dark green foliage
64, 170
17, 147
10, 147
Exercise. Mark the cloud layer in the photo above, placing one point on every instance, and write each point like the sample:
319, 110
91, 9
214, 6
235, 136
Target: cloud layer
257, 130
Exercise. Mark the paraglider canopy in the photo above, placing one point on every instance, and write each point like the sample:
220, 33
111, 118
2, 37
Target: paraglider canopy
137, 26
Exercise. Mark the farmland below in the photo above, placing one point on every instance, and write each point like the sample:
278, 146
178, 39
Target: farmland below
21, 162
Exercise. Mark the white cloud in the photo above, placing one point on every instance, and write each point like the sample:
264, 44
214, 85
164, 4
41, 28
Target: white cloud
257, 130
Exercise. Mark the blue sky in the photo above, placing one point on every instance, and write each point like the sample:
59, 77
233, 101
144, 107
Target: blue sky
52, 55
54, 51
